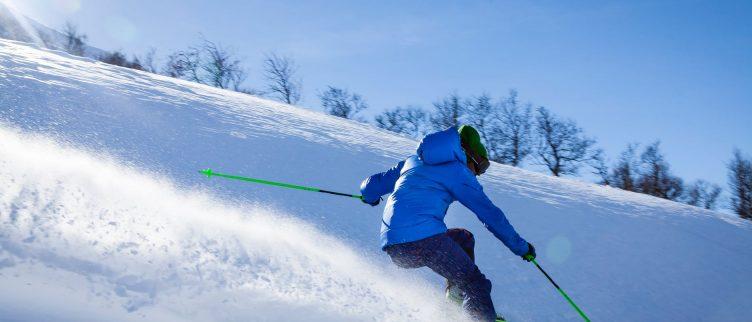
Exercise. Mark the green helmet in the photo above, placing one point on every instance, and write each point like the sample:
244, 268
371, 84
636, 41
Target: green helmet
471, 138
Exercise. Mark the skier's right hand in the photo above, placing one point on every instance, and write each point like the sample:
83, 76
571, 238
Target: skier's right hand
372, 203
530, 255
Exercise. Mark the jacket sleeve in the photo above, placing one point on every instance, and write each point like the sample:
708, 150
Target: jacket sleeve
377, 185
468, 191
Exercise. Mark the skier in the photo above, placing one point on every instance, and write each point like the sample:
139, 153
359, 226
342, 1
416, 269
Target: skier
413, 232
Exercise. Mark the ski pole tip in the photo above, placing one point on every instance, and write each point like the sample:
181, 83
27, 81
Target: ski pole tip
207, 172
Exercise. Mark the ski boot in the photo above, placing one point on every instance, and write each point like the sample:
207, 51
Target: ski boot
454, 294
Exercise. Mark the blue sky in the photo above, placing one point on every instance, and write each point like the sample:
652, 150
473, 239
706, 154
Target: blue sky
626, 71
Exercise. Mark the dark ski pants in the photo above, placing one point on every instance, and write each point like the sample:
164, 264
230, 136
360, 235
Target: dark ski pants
447, 255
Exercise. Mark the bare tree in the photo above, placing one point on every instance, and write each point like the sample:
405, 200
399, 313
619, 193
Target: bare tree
740, 184
75, 42
408, 120
118, 58
339, 102
150, 61
703, 194
207, 63
655, 177
184, 64
625, 172
448, 112
135, 63
238, 78
220, 67
600, 167
509, 140
282, 82
561, 146
480, 114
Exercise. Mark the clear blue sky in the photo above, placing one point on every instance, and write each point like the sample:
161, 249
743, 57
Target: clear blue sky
626, 71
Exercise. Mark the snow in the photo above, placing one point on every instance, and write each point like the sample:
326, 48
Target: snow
16, 26
103, 215
114, 237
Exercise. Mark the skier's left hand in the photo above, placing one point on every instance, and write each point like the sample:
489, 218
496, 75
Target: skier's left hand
373, 203
530, 253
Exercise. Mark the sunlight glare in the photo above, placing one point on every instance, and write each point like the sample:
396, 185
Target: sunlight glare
24, 24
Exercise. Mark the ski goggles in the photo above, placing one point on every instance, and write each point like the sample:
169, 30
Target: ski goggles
481, 164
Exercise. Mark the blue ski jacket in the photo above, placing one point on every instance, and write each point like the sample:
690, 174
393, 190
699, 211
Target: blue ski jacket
425, 185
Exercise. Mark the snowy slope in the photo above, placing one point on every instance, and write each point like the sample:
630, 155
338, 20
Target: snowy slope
110, 240
16, 26
81, 230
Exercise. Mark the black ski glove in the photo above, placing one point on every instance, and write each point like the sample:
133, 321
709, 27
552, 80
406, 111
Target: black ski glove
530, 253
373, 204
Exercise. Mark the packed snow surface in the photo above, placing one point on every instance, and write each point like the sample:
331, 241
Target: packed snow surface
103, 215
103, 236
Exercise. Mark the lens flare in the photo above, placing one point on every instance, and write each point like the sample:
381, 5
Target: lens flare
23, 23
558, 249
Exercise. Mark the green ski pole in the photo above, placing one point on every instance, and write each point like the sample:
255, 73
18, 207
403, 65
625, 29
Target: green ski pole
561, 291
210, 173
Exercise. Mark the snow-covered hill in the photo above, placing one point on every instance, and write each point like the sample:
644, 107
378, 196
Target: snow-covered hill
16, 26
103, 213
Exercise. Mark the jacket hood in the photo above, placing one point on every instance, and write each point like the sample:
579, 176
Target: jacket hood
441, 147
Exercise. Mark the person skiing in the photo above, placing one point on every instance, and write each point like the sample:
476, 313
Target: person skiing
422, 187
